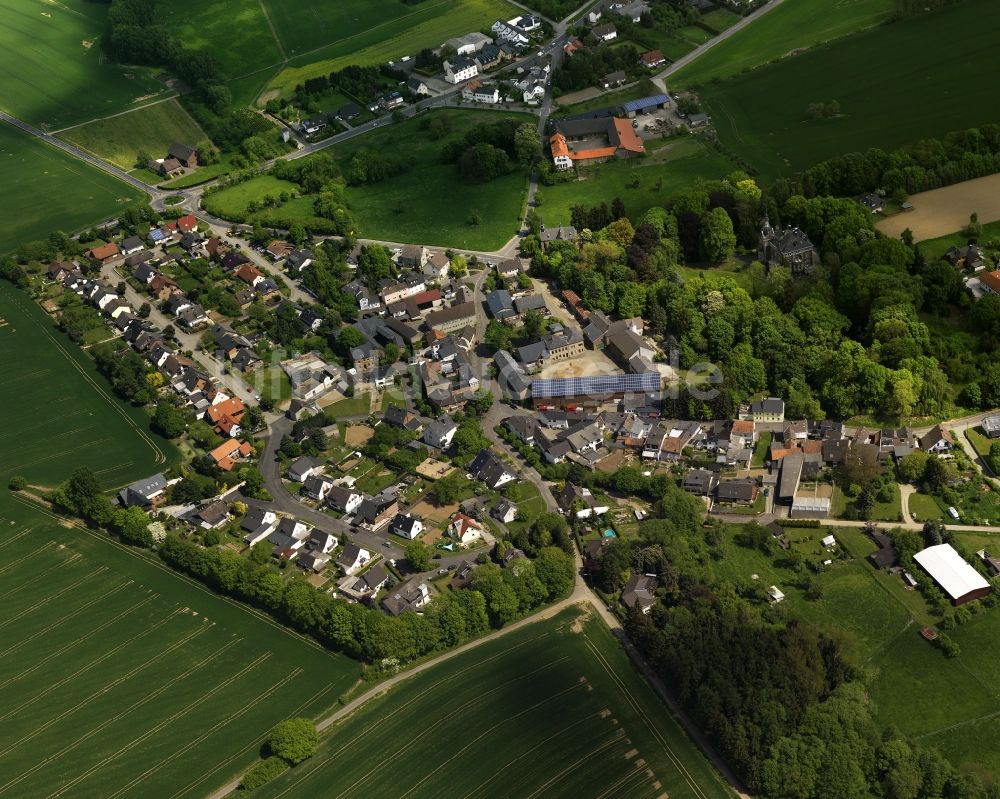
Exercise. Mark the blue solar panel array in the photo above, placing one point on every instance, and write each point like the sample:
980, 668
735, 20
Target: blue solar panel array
596, 385
645, 102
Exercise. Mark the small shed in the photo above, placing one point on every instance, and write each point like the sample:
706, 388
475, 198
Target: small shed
775, 593
829, 541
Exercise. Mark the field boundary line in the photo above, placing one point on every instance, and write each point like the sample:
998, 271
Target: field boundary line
246, 707
696, 789
100, 659
147, 698
156, 563
162, 100
364, 32
42, 603
527, 752
160, 456
274, 33
111, 685
950, 727
152, 731
254, 745
71, 644
489, 731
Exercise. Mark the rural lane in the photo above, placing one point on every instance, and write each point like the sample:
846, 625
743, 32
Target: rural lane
700, 50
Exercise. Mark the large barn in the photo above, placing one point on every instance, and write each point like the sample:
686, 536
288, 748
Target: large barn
954, 576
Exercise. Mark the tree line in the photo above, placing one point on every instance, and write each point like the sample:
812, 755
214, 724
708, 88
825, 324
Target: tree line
496, 597
924, 165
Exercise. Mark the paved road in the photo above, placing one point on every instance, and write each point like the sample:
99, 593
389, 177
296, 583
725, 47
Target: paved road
77, 152
699, 51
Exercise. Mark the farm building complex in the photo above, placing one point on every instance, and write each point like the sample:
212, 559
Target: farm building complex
593, 140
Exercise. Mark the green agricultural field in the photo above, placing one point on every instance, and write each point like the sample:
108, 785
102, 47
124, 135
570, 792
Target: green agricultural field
123, 679
721, 19
406, 33
880, 107
45, 189
233, 200
795, 25
664, 171
53, 70
555, 709
152, 130
59, 411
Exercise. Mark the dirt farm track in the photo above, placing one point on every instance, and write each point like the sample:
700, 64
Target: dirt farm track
943, 211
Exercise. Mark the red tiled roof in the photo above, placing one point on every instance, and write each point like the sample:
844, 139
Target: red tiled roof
187, 223
104, 251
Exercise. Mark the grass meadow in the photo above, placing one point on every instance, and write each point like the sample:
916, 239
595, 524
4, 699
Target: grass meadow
59, 412
427, 203
380, 36
795, 25
234, 32
951, 704
881, 103
152, 130
668, 169
555, 709
53, 72
123, 679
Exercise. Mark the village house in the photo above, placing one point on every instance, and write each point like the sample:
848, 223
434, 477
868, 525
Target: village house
411, 596
460, 69
593, 140
464, 529
353, 558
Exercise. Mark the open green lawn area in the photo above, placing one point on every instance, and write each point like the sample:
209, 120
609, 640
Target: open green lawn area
555, 709
948, 704
732, 269
45, 190
979, 441
376, 32
662, 172
358, 405
923, 507
152, 130
881, 104
233, 200
430, 202
59, 411
794, 25
124, 679
53, 71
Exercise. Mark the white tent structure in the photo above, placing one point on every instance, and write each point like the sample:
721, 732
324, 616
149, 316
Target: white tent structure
954, 576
